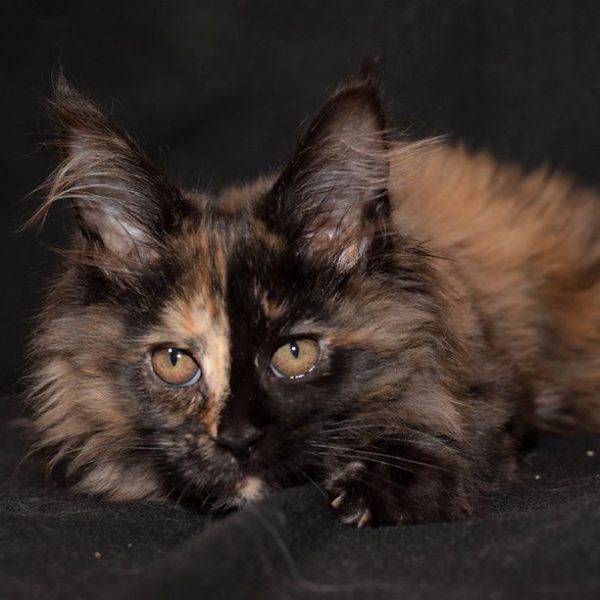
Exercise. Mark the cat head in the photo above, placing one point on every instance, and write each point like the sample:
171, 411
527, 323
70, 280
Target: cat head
219, 347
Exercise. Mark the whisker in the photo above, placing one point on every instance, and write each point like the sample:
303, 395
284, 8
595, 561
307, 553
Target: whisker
376, 475
366, 453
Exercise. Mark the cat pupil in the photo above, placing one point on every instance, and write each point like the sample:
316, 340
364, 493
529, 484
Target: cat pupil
294, 349
174, 356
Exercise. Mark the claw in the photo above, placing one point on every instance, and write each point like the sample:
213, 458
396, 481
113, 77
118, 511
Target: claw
356, 518
337, 502
364, 519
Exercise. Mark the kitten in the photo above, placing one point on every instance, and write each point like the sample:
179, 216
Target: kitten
389, 318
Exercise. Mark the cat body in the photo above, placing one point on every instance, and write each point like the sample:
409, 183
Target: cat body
390, 319
525, 252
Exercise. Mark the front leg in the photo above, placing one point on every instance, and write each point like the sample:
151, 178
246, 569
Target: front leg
390, 484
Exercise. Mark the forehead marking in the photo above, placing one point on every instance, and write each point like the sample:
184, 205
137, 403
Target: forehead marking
189, 320
271, 309
200, 282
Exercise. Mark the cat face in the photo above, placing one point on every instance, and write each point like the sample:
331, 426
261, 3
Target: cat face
217, 348
265, 370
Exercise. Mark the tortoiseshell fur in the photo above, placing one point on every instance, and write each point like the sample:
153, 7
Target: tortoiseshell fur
456, 303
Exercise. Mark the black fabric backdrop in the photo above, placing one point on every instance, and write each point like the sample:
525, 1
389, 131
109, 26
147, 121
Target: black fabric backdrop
216, 91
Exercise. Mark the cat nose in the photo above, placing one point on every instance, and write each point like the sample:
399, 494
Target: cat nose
240, 442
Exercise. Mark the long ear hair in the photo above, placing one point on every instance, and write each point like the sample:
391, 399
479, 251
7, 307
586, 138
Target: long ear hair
124, 207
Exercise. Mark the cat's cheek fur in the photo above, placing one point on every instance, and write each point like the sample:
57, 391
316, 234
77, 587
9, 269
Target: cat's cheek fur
81, 414
106, 479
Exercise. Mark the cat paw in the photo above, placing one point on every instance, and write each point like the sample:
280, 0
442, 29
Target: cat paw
351, 499
377, 492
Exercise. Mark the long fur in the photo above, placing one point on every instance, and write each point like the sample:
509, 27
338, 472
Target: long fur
456, 302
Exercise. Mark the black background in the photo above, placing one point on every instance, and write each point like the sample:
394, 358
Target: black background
216, 92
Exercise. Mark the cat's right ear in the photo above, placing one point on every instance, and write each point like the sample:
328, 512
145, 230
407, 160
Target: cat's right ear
124, 207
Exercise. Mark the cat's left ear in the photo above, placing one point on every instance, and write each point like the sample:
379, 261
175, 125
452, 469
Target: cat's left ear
331, 200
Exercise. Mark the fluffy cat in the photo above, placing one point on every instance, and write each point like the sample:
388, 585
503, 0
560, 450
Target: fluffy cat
389, 318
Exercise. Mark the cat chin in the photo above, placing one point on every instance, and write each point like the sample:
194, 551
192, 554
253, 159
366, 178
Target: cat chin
250, 489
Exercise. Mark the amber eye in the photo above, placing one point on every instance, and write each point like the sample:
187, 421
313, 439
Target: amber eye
175, 366
295, 358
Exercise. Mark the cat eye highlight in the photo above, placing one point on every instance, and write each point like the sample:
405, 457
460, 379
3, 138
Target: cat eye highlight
295, 358
175, 366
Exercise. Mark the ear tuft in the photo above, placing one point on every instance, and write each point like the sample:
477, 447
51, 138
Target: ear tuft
74, 111
367, 76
